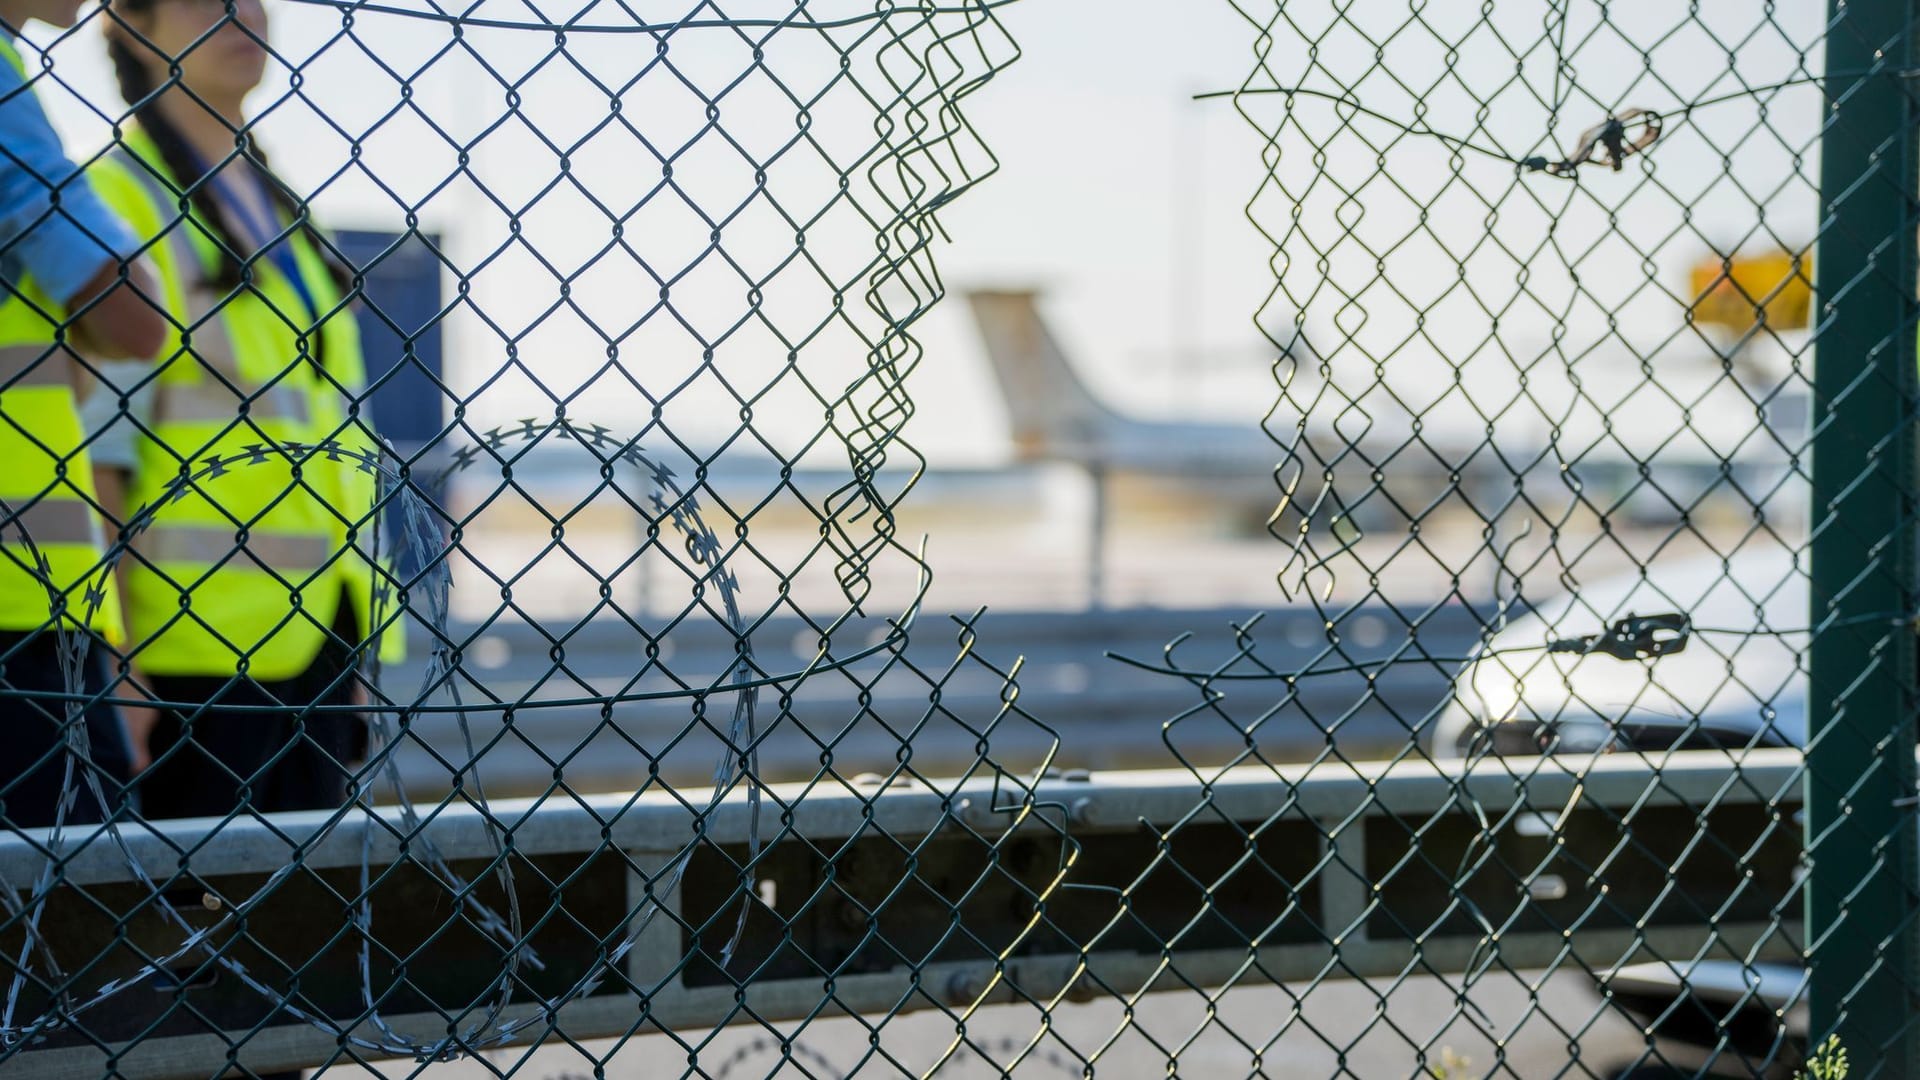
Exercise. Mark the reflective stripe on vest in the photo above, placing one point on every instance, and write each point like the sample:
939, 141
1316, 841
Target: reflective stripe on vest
211, 544
34, 365
211, 402
50, 521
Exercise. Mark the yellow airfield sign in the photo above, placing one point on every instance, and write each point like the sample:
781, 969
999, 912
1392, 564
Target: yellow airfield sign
1737, 291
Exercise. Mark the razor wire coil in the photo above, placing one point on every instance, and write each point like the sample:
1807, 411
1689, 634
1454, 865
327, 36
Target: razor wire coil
420, 537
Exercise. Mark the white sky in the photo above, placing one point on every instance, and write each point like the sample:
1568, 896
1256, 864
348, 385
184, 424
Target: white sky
1122, 197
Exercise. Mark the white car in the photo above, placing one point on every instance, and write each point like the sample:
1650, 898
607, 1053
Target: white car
1738, 681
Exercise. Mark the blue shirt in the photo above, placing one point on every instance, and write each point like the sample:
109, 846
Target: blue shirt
53, 226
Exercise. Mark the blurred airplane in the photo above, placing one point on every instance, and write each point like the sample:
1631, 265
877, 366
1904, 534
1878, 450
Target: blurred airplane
1234, 468
1380, 467
1054, 417
1221, 469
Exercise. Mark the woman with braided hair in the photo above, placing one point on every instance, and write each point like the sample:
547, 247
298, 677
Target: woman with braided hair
249, 593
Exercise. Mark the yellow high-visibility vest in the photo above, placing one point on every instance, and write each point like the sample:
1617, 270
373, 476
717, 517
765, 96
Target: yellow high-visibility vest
243, 568
51, 537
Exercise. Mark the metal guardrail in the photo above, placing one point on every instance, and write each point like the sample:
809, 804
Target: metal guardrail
1255, 874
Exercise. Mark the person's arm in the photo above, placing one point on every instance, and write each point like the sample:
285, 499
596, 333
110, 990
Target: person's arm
55, 229
113, 315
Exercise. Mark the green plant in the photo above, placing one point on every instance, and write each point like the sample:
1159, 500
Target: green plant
1453, 1065
1827, 1062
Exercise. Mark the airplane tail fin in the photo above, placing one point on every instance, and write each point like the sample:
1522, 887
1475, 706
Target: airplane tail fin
1052, 412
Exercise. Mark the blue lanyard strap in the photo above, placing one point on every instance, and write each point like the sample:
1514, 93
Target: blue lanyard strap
266, 235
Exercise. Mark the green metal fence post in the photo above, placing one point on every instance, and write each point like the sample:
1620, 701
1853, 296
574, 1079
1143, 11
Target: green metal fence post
1861, 933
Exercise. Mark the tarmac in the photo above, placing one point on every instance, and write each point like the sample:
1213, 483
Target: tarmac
1513, 1025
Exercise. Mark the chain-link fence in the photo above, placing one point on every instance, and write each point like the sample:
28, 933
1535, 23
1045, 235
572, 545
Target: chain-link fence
1577, 383
484, 641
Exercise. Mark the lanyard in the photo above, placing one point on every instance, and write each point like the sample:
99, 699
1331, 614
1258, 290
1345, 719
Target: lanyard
279, 250
262, 234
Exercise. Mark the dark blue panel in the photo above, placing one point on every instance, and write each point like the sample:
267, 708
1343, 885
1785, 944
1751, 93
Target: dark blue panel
400, 331
400, 334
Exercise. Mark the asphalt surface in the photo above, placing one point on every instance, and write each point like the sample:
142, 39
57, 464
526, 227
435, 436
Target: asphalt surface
608, 705
1519, 1026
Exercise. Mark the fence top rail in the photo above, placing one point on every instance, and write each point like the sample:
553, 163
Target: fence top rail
667, 822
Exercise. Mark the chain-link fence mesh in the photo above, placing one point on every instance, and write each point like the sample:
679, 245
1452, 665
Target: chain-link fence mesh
486, 642
1563, 374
